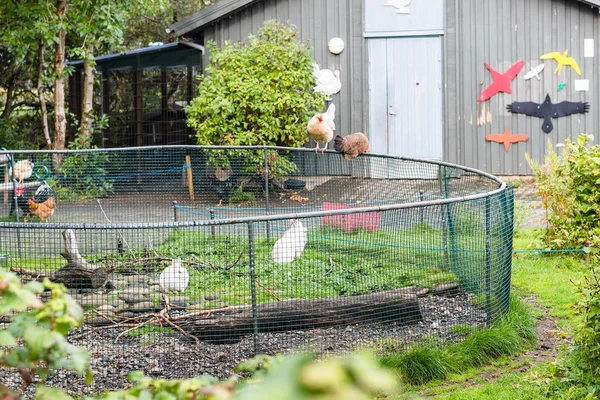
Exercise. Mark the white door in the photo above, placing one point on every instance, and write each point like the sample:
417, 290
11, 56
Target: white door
405, 96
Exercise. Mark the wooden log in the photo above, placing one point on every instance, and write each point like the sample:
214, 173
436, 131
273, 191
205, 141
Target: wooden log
229, 325
78, 273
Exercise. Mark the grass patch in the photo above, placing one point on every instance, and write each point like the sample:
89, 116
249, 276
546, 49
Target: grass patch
334, 263
429, 361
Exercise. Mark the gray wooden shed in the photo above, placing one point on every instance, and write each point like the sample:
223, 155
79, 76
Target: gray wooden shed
412, 70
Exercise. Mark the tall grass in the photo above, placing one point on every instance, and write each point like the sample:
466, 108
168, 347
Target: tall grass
424, 362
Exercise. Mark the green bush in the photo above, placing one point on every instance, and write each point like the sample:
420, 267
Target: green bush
257, 93
568, 186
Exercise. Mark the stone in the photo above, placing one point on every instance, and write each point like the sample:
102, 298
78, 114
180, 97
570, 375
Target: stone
142, 307
136, 278
133, 298
106, 309
446, 288
94, 300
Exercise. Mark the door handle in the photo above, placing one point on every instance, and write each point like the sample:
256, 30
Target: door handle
392, 112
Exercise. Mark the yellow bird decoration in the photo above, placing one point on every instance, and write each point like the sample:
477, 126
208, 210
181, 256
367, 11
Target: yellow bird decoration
562, 60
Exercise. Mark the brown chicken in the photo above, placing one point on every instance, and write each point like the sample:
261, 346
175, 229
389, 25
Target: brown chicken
321, 127
352, 145
42, 210
42, 204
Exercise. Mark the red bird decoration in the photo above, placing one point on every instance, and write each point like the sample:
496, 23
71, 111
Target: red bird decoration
507, 138
501, 82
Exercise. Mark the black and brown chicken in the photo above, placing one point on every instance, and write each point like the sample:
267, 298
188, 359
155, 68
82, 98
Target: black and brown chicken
40, 203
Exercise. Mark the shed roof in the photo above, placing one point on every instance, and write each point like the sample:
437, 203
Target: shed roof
225, 7
170, 54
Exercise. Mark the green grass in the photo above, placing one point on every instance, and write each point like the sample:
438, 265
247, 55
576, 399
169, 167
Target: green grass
334, 263
424, 362
546, 276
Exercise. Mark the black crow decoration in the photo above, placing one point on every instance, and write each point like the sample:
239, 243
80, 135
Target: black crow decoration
548, 110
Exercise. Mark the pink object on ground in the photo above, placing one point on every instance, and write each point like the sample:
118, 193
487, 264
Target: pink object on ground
368, 221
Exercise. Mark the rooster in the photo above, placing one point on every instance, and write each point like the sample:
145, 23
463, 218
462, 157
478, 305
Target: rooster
23, 170
352, 145
174, 278
321, 127
43, 203
291, 244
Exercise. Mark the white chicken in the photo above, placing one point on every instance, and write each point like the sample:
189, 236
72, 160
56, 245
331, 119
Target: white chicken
174, 278
23, 170
328, 82
291, 244
321, 127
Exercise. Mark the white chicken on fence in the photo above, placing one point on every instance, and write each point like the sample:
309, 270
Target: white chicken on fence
23, 170
291, 244
174, 278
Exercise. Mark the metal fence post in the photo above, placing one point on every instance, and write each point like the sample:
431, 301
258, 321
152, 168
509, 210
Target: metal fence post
212, 217
253, 286
175, 212
267, 205
488, 262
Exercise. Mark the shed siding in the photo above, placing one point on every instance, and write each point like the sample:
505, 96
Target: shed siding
313, 19
503, 32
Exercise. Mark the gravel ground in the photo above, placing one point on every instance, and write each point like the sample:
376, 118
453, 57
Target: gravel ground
174, 356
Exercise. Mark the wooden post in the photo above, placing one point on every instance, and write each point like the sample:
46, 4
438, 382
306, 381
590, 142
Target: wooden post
190, 181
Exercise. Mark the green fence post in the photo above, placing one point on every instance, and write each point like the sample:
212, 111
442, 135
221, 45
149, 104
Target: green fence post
488, 262
251, 256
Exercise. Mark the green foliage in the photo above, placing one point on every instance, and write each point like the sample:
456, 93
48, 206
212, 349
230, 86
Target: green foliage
34, 342
356, 376
568, 186
84, 174
428, 361
587, 335
238, 195
257, 93
578, 373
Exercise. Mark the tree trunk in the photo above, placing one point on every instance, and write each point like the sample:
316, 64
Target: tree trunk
60, 120
230, 324
40, 88
9, 99
87, 94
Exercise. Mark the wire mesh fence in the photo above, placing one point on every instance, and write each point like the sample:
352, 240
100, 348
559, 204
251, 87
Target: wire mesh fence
189, 259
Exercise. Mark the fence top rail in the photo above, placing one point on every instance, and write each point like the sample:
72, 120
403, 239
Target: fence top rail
256, 219
279, 148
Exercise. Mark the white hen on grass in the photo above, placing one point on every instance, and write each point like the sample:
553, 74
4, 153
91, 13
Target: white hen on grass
174, 278
291, 244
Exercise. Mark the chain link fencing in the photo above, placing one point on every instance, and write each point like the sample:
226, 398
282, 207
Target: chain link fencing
188, 259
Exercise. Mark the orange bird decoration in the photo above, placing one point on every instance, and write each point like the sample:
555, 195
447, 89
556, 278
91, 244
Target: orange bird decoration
506, 138
501, 82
